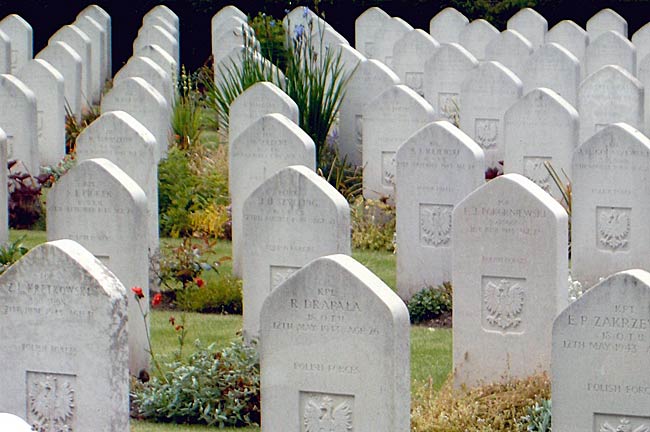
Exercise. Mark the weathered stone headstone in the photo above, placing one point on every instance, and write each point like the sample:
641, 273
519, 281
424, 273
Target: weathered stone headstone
531, 25
271, 143
350, 60
4, 212
148, 70
19, 121
385, 38
476, 36
165, 13
437, 167
644, 78
104, 19
510, 269
21, 36
5, 53
610, 48
485, 96
553, 66
572, 37
68, 63
641, 41
100, 207
302, 16
80, 43
120, 138
609, 95
307, 382
607, 329
510, 49
156, 35
370, 79
409, 55
232, 33
149, 20
604, 21
48, 87
162, 59
541, 127
443, 75
295, 216
64, 341
97, 35
138, 98
365, 27
610, 204
446, 26
388, 120
224, 15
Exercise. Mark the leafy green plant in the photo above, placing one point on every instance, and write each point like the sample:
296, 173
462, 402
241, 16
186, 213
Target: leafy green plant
11, 252
430, 303
270, 34
74, 127
343, 175
373, 224
186, 118
219, 388
51, 174
538, 417
220, 294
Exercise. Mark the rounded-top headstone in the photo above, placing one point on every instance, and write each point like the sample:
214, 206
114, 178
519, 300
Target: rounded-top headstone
511, 49
365, 27
608, 330
69, 64
385, 38
19, 120
604, 21
641, 41
5, 53
530, 24
476, 36
572, 37
334, 352
21, 35
446, 25
104, 19
162, 59
165, 13
610, 48
81, 44
157, 35
409, 55
224, 14
97, 35
151, 72
554, 67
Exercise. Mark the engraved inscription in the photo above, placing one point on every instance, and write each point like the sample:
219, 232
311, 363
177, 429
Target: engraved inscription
414, 81
358, 127
388, 165
620, 423
613, 228
448, 105
503, 303
486, 132
535, 170
322, 412
280, 273
51, 404
435, 225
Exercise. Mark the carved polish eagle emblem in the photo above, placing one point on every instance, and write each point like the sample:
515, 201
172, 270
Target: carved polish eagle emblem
435, 223
504, 301
614, 228
623, 426
51, 405
321, 415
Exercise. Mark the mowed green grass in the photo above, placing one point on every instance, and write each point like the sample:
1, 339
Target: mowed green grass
431, 355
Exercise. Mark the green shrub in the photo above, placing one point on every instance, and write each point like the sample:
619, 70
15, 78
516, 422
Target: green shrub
220, 294
430, 303
270, 34
373, 224
219, 388
538, 418
11, 252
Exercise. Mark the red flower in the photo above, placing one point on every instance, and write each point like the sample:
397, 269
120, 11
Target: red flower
199, 282
156, 300
172, 320
138, 292
179, 327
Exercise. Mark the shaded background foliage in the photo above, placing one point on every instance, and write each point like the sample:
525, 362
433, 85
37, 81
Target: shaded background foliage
46, 16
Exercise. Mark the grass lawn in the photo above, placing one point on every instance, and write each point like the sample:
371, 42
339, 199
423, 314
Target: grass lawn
431, 355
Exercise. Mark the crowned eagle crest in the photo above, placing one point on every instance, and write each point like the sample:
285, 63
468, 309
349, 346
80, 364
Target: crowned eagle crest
435, 223
623, 426
321, 415
614, 228
504, 301
536, 171
51, 405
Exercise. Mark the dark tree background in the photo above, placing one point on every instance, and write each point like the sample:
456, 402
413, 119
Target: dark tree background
46, 16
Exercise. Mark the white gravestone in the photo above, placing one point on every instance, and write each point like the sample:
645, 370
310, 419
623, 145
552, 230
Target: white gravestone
49, 89
295, 216
530, 24
80, 43
446, 25
100, 207
485, 96
609, 95
64, 344
162, 22
271, 143
224, 15
350, 60
148, 70
156, 35
437, 167
644, 78
370, 79
234, 33
5, 53
572, 37
19, 121
608, 330
554, 67
68, 63
12, 423
604, 21
97, 35
165, 13
120, 138
104, 20
388, 120
444, 73
610, 48
641, 41
385, 38
511, 49
308, 383
476, 36
365, 27
138, 98
541, 128
4, 193
610, 204
409, 55
162, 59
20, 34
510, 270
